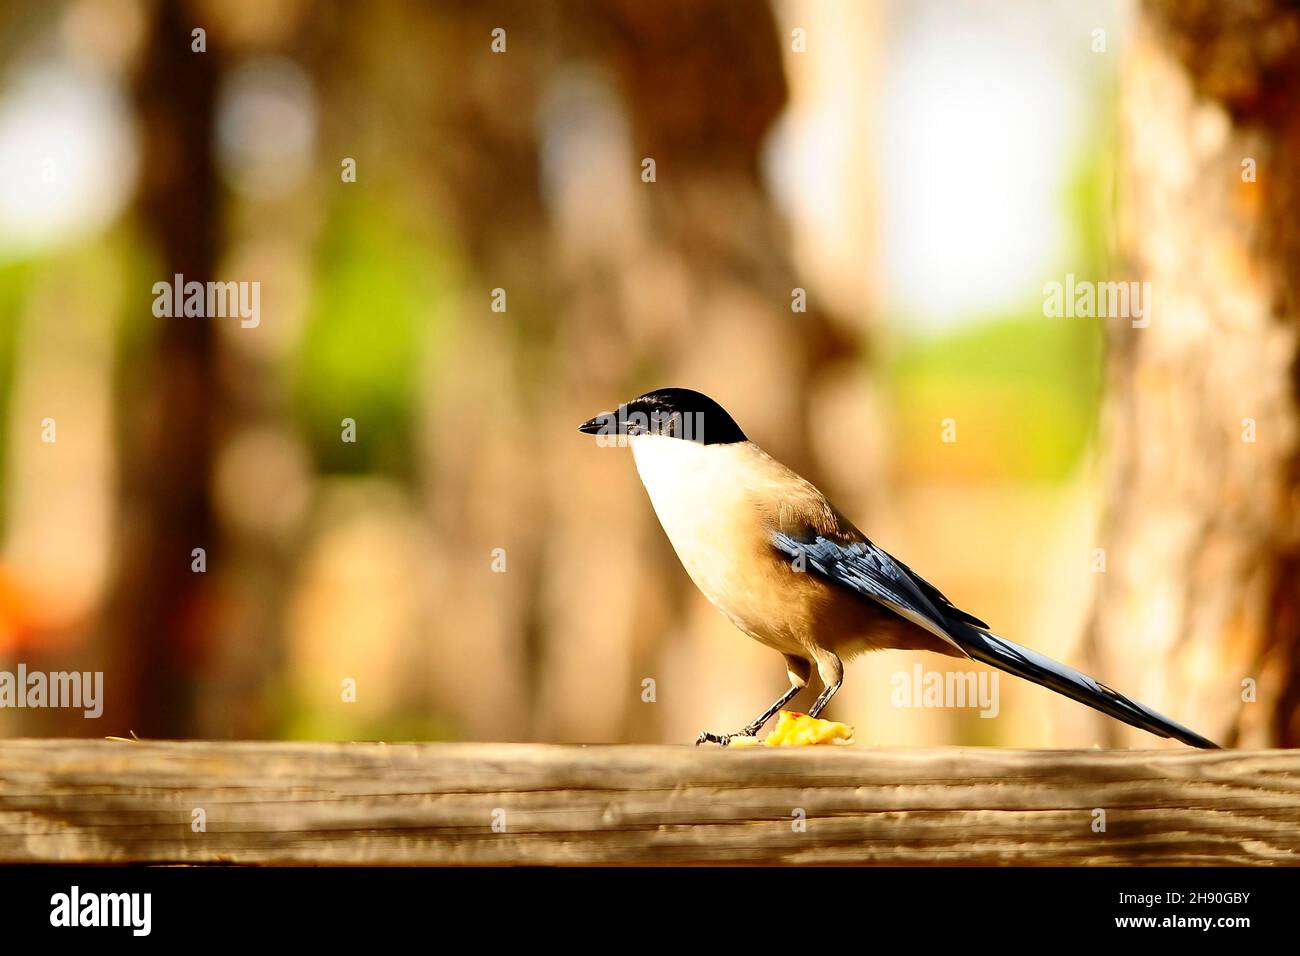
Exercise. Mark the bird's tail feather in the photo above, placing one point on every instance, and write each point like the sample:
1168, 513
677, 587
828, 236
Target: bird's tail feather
999, 652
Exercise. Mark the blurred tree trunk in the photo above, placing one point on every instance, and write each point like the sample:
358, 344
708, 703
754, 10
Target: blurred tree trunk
1202, 585
157, 611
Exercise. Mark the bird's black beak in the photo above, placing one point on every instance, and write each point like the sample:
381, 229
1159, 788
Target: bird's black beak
605, 423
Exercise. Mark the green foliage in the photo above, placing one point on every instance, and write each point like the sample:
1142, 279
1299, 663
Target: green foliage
1024, 392
14, 277
376, 296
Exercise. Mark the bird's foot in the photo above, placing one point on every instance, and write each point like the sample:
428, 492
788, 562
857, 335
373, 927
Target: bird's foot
722, 740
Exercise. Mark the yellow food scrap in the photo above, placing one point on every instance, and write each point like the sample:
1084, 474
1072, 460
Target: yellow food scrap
799, 730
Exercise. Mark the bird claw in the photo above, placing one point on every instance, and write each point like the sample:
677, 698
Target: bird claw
722, 740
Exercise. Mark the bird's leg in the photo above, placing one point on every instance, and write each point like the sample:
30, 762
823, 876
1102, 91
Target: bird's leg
754, 726
757, 723
798, 670
831, 672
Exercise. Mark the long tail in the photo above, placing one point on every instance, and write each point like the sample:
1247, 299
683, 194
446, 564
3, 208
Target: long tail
1023, 662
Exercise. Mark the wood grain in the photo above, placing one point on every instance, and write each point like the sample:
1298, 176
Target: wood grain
407, 804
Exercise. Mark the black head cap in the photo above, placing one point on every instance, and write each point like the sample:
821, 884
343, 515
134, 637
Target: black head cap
673, 413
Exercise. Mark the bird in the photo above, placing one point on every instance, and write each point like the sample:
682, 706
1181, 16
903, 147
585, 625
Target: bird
789, 570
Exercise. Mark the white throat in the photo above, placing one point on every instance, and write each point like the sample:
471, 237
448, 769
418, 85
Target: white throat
698, 491
675, 471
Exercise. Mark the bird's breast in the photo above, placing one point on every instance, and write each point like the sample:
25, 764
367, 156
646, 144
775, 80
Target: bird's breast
709, 500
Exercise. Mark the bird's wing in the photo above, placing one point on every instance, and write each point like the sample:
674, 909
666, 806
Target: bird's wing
872, 573
948, 609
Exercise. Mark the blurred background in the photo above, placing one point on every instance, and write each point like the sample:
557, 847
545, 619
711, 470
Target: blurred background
853, 212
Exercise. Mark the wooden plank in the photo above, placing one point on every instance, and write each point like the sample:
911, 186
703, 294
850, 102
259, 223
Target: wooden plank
371, 803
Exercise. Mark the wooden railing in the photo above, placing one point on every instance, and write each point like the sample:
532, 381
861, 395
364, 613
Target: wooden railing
371, 803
